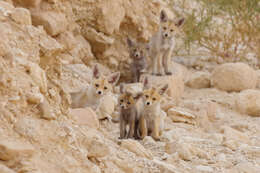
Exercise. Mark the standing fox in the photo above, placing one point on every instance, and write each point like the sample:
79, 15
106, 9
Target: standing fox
99, 87
138, 52
152, 118
162, 43
129, 114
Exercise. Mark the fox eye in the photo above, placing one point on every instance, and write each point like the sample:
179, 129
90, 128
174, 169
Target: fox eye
135, 50
121, 100
171, 30
105, 87
154, 99
97, 85
164, 28
146, 96
128, 103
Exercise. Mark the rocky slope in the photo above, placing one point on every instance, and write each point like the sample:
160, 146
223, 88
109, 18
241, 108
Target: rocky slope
44, 49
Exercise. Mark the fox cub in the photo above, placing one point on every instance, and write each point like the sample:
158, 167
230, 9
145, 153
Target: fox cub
138, 54
162, 43
152, 119
98, 88
129, 114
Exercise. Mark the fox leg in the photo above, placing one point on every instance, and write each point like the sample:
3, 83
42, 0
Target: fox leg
154, 65
159, 64
143, 127
156, 129
131, 129
122, 129
167, 62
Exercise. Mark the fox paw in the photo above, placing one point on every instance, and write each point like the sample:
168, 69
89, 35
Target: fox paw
168, 73
158, 74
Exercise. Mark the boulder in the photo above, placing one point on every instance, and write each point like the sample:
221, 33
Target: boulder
137, 148
248, 102
28, 3
21, 16
53, 22
181, 115
85, 116
199, 80
234, 77
5, 169
10, 149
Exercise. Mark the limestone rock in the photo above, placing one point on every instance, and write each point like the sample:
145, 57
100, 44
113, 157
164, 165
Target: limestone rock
136, 148
246, 167
233, 138
12, 149
204, 169
183, 150
85, 116
28, 3
54, 23
46, 110
258, 79
248, 102
234, 77
21, 16
4, 169
199, 80
181, 115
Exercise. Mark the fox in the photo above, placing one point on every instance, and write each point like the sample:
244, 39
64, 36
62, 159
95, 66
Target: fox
138, 54
152, 117
129, 114
162, 43
99, 87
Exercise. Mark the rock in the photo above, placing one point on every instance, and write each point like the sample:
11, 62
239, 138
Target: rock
233, 138
46, 110
85, 116
67, 39
111, 14
199, 80
175, 82
53, 22
10, 150
181, 115
234, 77
258, 79
134, 88
98, 149
246, 167
137, 148
4, 169
21, 16
248, 102
28, 3
183, 150
204, 169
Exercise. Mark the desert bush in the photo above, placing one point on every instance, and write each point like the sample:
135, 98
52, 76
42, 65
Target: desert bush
226, 28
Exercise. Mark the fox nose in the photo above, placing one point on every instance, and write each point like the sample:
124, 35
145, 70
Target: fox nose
166, 35
99, 92
148, 103
136, 55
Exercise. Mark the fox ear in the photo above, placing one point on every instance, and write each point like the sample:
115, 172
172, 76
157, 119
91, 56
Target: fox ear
163, 16
145, 82
180, 22
130, 43
113, 78
96, 72
122, 88
163, 89
138, 96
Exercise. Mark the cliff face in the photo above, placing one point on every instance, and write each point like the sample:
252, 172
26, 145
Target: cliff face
46, 50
